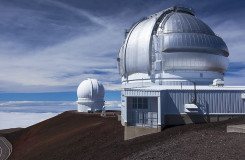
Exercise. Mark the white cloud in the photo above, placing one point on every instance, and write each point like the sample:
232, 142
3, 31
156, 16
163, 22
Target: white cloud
233, 34
113, 105
49, 66
81, 12
38, 106
19, 119
48, 106
62, 66
26, 113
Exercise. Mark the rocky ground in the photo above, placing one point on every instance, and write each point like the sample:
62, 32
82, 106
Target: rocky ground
201, 141
73, 135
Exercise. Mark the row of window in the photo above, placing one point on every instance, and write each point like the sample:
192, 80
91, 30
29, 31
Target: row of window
140, 103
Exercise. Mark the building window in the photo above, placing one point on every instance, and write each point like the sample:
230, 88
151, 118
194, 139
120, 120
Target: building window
140, 103
134, 103
144, 103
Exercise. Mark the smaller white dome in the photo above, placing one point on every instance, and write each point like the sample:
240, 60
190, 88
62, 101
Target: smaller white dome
90, 89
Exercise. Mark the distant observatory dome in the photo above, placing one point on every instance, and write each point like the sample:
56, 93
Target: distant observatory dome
172, 47
90, 88
90, 95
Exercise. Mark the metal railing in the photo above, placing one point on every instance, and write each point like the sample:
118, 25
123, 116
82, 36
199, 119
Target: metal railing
144, 119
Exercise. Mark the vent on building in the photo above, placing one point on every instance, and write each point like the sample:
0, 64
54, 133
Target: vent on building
191, 108
218, 82
243, 96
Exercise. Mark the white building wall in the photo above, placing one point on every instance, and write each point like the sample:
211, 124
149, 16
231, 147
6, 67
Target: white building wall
123, 108
90, 106
209, 101
172, 102
83, 108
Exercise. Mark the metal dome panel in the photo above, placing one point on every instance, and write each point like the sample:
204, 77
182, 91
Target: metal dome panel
193, 42
184, 23
136, 50
195, 62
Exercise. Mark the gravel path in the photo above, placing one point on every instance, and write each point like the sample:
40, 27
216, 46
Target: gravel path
5, 149
204, 141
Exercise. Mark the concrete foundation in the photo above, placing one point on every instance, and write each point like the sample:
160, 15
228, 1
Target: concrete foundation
195, 118
236, 128
131, 132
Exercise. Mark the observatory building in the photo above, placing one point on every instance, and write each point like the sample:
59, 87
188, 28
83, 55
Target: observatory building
90, 95
172, 66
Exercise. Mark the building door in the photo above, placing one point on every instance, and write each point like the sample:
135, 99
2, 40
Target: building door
142, 111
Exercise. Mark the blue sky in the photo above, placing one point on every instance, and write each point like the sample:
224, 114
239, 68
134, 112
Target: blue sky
48, 47
54, 96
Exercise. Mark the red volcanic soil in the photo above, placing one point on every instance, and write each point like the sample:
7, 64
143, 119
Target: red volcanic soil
73, 135
4, 131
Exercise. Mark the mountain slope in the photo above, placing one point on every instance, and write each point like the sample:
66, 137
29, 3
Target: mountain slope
73, 135
70, 135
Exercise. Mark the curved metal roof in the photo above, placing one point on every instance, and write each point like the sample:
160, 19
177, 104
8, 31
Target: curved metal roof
177, 22
185, 32
193, 42
176, 30
137, 47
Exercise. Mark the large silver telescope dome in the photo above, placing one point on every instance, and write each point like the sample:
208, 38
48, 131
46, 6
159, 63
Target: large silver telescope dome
173, 45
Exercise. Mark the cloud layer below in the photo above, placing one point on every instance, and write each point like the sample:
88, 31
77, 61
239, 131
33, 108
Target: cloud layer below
15, 114
22, 120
